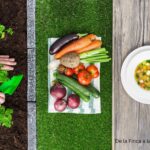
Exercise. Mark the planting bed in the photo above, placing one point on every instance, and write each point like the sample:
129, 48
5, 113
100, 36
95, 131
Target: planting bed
13, 14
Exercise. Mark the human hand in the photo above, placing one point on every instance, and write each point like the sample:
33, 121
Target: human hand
7, 62
2, 98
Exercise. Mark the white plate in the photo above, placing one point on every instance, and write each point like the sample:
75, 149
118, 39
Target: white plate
127, 74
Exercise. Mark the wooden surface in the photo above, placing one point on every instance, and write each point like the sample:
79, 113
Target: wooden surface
131, 29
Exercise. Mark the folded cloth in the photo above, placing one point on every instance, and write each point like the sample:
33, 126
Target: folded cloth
91, 107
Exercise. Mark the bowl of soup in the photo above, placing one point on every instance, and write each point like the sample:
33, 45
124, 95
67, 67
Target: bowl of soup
135, 74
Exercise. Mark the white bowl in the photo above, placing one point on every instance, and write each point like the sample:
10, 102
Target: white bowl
128, 71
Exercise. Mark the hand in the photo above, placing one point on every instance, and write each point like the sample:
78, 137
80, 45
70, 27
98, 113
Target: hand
2, 98
8, 63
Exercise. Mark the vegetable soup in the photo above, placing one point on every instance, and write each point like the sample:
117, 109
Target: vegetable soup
142, 74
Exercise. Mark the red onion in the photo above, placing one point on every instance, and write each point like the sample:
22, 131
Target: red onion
73, 101
60, 105
58, 91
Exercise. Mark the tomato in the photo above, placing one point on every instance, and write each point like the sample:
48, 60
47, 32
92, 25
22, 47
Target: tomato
84, 77
93, 70
69, 72
79, 68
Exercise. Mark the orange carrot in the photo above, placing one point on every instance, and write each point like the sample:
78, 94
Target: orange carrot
95, 44
76, 45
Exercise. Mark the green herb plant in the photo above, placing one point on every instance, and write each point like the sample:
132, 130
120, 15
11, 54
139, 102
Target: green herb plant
6, 117
5, 31
3, 75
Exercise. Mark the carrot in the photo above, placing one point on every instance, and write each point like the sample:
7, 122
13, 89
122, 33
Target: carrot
76, 45
95, 44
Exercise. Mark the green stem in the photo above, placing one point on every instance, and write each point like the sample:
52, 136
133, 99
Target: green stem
82, 34
96, 58
96, 61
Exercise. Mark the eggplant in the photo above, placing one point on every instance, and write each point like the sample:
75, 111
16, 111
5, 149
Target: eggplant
56, 46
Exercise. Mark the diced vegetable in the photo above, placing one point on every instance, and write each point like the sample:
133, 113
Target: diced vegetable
70, 60
76, 45
95, 44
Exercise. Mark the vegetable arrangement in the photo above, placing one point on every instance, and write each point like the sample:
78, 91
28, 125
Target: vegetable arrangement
74, 64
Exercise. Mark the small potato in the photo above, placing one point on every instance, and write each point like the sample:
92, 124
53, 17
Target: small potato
70, 60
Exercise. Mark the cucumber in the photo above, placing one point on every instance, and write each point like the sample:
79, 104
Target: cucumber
94, 92
81, 95
73, 83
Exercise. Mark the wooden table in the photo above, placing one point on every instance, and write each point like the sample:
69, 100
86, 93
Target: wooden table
131, 29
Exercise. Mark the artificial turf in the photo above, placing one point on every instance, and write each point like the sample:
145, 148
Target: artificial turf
55, 18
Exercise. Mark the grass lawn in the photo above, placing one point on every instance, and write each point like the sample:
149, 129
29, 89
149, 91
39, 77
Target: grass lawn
55, 18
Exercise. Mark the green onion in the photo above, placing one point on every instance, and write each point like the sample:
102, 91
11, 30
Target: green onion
96, 61
93, 52
95, 58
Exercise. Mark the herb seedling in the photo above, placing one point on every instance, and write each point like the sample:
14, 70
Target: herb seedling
3, 75
6, 117
4, 31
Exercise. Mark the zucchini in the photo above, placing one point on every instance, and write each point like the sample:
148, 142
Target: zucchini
94, 92
73, 83
79, 93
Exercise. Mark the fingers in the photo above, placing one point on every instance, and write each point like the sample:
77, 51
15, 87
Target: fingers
6, 62
2, 98
4, 56
8, 59
8, 68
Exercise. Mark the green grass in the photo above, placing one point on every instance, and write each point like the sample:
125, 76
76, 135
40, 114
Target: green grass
55, 18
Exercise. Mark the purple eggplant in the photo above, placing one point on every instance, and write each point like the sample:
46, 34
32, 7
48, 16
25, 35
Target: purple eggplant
56, 46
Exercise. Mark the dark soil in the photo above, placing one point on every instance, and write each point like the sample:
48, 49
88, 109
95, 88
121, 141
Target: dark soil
13, 14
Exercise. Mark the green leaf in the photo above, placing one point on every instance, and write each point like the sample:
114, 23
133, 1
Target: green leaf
4, 31
11, 85
3, 75
6, 117
10, 31
2, 28
3, 35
